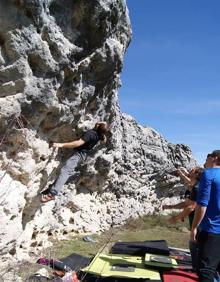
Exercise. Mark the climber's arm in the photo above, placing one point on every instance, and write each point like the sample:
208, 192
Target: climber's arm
73, 144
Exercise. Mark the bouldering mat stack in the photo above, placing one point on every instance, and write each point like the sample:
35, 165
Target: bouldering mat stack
138, 262
159, 262
183, 257
141, 248
120, 268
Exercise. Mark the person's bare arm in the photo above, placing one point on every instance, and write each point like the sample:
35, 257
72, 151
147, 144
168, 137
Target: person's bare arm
185, 171
184, 176
100, 123
190, 206
199, 214
180, 205
73, 144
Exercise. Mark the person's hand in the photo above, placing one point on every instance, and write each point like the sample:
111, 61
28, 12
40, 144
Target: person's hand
193, 234
57, 145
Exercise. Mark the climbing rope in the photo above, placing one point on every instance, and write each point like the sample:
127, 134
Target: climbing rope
19, 122
7, 130
98, 253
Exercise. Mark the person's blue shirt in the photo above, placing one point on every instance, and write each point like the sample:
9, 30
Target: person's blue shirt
209, 196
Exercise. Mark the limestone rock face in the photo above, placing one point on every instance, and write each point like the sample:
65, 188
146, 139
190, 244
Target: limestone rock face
60, 63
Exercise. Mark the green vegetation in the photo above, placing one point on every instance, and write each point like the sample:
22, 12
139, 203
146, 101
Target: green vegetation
153, 227
146, 228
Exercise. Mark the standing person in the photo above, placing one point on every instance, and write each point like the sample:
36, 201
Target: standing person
81, 147
191, 180
184, 175
207, 218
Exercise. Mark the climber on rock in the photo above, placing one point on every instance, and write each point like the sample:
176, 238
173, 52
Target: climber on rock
81, 147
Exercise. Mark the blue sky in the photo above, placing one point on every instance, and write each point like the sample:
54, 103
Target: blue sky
171, 74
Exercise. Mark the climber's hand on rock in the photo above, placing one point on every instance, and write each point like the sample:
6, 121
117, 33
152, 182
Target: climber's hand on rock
57, 145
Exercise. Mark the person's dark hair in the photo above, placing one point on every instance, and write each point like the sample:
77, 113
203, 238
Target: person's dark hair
102, 129
216, 153
198, 171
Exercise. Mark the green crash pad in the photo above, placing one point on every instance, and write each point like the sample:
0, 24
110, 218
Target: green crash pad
159, 262
122, 266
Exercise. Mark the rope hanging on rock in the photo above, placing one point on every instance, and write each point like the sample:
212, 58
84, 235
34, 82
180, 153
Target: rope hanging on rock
20, 123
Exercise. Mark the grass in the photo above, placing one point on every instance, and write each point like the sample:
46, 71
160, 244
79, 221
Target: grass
145, 228
153, 227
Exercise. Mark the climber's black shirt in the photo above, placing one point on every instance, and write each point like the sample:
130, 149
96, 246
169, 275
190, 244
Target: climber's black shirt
91, 138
